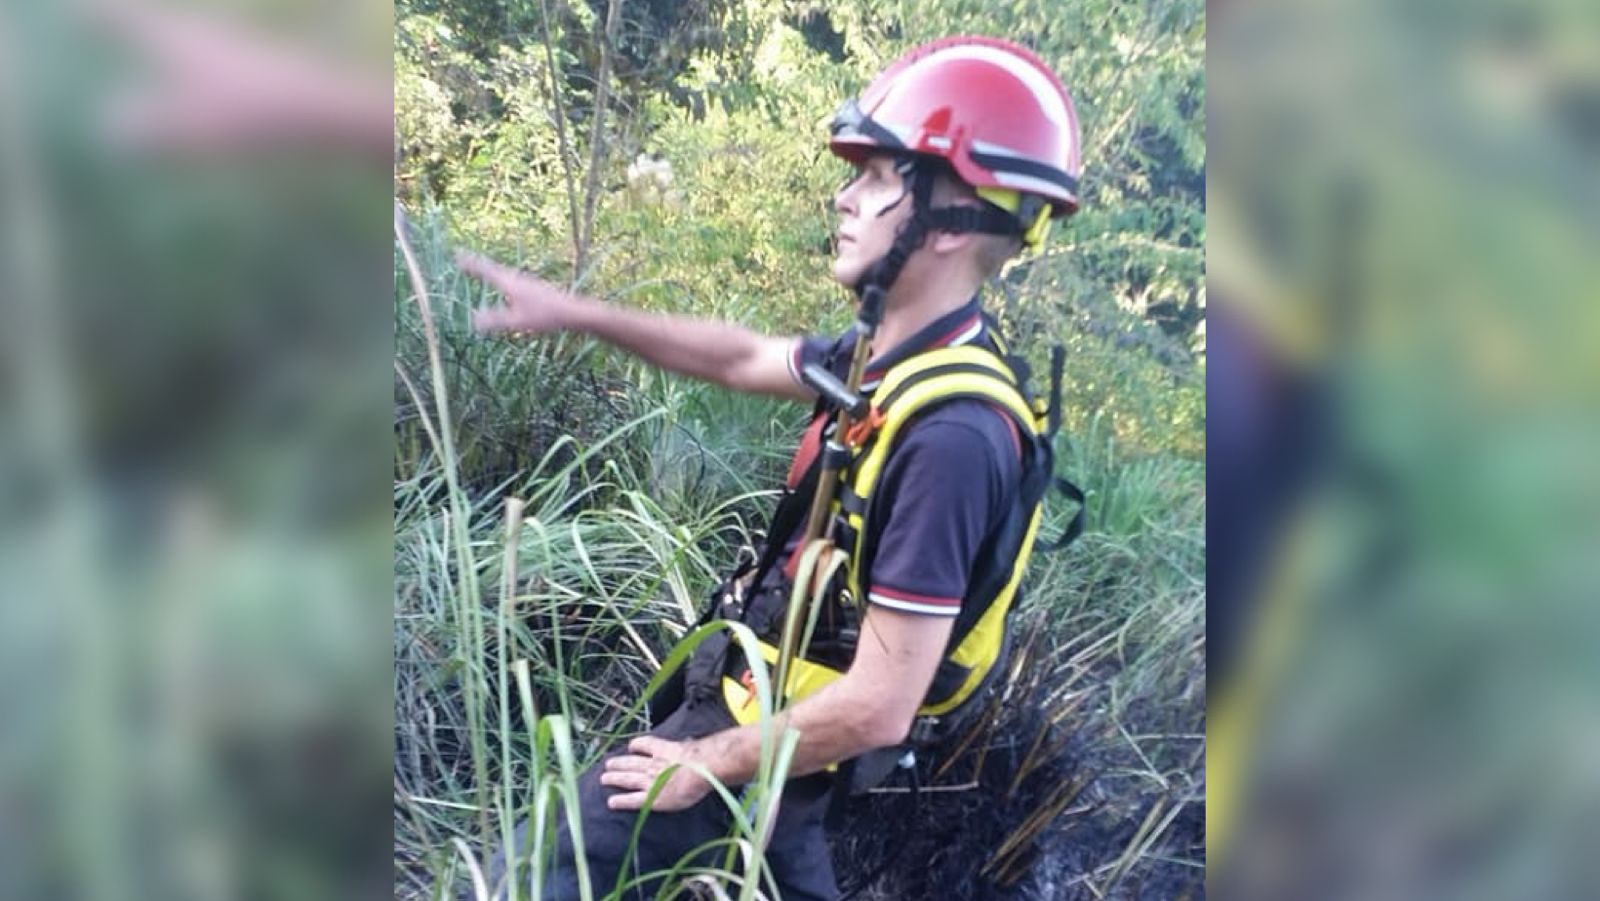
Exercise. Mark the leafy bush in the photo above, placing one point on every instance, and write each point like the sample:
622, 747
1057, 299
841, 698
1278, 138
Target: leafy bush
710, 196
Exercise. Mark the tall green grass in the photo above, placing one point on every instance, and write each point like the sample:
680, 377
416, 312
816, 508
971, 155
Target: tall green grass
560, 514
591, 576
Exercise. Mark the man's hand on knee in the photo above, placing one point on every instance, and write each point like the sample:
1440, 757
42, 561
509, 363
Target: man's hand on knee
635, 771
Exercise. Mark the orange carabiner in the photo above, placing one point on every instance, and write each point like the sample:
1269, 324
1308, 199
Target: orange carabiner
862, 430
748, 680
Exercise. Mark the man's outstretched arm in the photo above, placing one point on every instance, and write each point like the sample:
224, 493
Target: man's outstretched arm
871, 706
717, 352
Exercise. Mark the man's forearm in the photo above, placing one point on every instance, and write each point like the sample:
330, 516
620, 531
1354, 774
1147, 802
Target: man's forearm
833, 726
704, 349
717, 352
871, 706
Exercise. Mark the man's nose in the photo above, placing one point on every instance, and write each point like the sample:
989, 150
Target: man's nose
844, 200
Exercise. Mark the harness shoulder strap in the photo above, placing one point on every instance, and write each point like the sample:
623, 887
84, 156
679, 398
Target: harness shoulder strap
908, 389
932, 378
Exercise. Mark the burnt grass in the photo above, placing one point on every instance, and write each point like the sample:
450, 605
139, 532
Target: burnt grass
950, 839
1042, 798
964, 836
939, 844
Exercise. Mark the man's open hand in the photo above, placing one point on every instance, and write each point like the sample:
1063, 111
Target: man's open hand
635, 771
533, 305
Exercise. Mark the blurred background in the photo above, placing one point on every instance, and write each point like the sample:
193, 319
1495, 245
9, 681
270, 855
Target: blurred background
194, 552
195, 289
1402, 423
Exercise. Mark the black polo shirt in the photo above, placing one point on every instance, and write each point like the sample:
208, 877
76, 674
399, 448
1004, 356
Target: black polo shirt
946, 483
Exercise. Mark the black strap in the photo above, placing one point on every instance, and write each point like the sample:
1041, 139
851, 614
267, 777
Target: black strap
1058, 363
786, 519
987, 219
882, 274
1022, 372
850, 503
1075, 527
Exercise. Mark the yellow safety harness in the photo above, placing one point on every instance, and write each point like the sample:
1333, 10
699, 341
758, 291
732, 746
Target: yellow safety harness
907, 390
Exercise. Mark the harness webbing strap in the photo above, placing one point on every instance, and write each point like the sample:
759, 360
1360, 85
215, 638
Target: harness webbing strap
953, 368
978, 636
1058, 362
789, 516
850, 503
1075, 527
933, 378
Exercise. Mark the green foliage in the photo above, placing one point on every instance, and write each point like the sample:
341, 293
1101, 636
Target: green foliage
713, 198
738, 117
639, 490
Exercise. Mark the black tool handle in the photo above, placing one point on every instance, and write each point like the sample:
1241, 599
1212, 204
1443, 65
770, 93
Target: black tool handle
836, 393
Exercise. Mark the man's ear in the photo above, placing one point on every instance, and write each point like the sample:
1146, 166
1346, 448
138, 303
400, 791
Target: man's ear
944, 243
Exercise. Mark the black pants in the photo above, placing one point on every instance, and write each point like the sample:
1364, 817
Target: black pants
798, 853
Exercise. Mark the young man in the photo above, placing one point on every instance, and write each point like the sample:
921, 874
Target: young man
963, 150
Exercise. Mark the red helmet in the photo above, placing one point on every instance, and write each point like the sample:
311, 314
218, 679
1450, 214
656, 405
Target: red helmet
990, 108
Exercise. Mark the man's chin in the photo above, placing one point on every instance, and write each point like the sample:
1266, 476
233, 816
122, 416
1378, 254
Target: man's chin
846, 275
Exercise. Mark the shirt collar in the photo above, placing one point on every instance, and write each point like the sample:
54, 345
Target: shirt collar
959, 326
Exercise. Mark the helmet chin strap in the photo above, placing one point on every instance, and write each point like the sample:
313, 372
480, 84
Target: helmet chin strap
874, 284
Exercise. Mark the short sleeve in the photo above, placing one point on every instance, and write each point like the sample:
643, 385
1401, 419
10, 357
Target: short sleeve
822, 349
